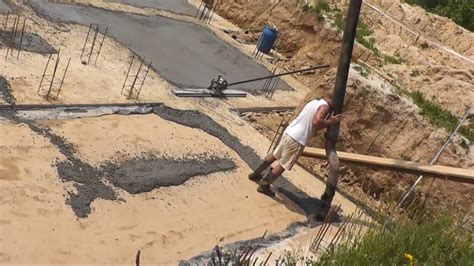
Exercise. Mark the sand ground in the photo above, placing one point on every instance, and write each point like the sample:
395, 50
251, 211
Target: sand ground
166, 224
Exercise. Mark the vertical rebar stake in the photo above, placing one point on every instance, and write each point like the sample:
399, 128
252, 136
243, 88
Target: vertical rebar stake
85, 42
100, 46
135, 79
62, 80
93, 43
144, 78
53, 76
128, 72
5, 24
21, 39
44, 73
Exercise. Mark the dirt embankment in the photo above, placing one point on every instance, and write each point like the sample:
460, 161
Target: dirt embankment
378, 121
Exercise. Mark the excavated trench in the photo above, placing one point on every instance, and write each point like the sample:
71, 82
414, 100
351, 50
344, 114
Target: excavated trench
187, 55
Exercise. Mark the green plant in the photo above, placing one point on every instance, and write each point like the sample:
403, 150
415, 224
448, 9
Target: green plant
364, 72
434, 241
320, 7
460, 11
391, 60
435, 113
415, 73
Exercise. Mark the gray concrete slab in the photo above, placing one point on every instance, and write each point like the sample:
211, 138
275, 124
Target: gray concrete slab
186, 54
176, 6
4, 8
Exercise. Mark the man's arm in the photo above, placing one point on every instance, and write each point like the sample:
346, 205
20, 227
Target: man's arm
320, 121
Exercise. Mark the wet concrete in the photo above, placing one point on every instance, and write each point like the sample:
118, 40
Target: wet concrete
31, 42
237, 248
185, 54
137, 175
176, 6
196, 119
4, 8
6, 92
145, 174
152, 172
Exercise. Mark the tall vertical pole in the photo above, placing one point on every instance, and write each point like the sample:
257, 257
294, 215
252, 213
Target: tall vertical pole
332, 133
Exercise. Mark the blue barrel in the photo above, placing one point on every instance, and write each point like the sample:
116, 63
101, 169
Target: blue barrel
268, 38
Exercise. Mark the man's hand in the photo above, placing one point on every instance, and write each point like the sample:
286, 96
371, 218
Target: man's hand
335, 119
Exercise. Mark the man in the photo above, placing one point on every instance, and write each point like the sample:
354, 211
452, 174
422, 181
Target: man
316, 115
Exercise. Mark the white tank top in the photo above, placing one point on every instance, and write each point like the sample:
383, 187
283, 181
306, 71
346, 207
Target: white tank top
301, 129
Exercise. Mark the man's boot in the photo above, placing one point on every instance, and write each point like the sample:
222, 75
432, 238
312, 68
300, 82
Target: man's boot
264, 186
257, 174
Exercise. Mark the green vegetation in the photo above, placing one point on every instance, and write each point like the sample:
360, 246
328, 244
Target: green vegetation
436, 241
363, 30
364, 72
436, 114
391, 60
319, 7
460, 11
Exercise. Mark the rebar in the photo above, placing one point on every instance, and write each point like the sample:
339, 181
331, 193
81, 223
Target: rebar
128, 72
100, 45
93, 43
135, 79
21, 39
143, 81
5, 24
85, 42
44, 73
53, 76
62, 80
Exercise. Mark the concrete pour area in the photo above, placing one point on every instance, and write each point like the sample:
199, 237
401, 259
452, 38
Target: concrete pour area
171, 183
176, 6
183, 219
186, 54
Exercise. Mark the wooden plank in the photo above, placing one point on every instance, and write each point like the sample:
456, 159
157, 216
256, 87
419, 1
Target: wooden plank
439, 171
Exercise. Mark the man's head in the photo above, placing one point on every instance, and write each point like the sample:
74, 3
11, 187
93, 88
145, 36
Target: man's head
330, 103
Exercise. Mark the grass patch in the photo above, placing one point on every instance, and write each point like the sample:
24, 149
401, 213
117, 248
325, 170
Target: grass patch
436, 241
364, 72
436, 114
391, 60
460, 11
318, 8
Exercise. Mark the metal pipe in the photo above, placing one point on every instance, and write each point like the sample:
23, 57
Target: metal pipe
437, 155
342, 74
277, 75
